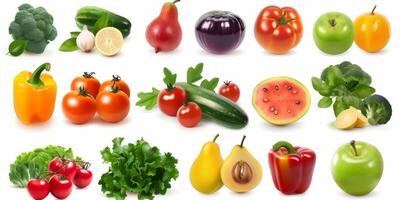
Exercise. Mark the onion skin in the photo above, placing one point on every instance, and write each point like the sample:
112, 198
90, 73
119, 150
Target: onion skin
220, 32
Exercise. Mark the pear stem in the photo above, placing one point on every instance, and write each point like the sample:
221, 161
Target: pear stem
215, 138
176, 1
353, 145
241, 143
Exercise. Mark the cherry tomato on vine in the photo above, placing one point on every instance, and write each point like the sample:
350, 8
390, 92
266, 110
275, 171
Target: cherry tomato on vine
60, 186
38, 188
171, 99
278, 30
83, 176
115, 81
230, 90
62, 166
113, 105
189, 115
88, 82
79, 106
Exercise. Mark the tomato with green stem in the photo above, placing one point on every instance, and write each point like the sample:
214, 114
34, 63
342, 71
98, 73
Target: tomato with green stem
83, 176
171, 99
38, 189
63, 166
189, 115
115, 81
87, 81
230, 90
79, 106
60, 186
113, 105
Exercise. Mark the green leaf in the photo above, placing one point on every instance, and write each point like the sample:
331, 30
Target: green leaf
148, 99
169, 77
74, 34
194, 74
69, 45
101, 23
17, 47
325, 102
210, 85
320, 87
339, 106
363, 91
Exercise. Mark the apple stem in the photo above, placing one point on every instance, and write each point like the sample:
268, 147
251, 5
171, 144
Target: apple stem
332, 22
215, 138
176, 1
353, 145
373, 10
241, 143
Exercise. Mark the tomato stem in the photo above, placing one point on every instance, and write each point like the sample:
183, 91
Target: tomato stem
242, 142
373, 10
83, 91
88, 74
227, 82
215, 137
353, 145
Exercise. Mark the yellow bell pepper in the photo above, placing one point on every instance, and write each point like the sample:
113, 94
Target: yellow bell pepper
34, 95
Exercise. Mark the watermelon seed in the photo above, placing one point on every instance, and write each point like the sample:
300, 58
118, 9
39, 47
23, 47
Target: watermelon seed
289, 111
276, 87
276, 112
289, 87
265, 100
272, 109
297, 102
265, 89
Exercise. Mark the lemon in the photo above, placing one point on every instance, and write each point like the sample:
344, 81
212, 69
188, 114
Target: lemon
347, 119
109, 41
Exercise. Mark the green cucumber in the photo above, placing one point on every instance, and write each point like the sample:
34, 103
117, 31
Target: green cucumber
89, 15
216, 107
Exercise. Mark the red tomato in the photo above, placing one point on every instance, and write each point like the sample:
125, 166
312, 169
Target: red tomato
189, 115
83, 177
118, 82
113, 106
171, 99
88, 82
230, 90
79, 106
278, 29
38, 188
60, 187
64, 167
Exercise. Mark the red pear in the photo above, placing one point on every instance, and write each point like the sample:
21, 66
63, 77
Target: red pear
164, 33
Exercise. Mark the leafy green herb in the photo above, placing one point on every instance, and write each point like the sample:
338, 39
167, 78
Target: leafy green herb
17, 47
210, 85
74, 34
34, 164
194, 74
69, 45
148, 99
169, 78
344, 85
101, 23
137, 168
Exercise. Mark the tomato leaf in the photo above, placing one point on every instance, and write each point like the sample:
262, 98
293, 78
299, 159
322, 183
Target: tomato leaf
17, 47
210, 85
194, 74
101, 23
74, 34
148, 99
169, 77
69, 45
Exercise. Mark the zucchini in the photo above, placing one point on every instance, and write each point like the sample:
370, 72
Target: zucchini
216, 107
89, 15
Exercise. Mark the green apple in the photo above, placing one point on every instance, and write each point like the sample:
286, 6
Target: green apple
333, 33
357, 168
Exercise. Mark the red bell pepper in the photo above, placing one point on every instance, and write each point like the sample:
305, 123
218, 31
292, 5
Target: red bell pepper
291, 167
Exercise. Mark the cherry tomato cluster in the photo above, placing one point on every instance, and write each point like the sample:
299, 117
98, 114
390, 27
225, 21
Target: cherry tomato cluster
64, 173
173, 102
88, 97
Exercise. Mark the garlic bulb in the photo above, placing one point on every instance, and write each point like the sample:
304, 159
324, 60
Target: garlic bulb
85, 40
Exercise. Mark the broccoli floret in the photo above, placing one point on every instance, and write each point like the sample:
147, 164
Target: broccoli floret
377, 109
35, 25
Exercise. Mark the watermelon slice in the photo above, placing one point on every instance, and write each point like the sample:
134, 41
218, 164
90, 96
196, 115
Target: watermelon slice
281, 100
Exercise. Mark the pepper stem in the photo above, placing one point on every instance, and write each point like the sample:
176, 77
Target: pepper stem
353, 145
35, 78
289, 147
242, 142
215, 138
373, 10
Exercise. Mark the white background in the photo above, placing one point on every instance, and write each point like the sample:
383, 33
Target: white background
248, 65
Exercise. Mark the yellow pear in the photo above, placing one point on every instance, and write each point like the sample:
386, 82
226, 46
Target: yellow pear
205, 174
241, 172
